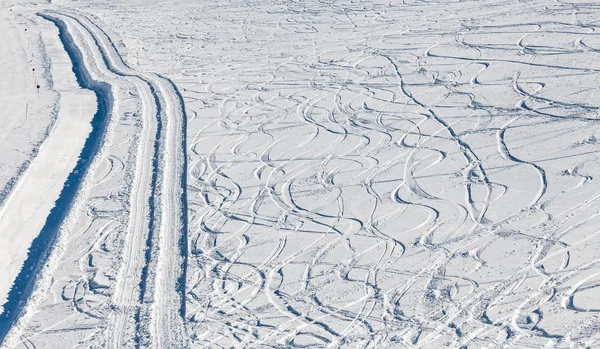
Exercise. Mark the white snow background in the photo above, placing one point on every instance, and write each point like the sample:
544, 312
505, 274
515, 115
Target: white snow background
311, 174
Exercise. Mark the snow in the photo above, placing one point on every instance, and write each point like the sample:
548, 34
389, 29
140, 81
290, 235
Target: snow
26, 210
24, 213
383, 174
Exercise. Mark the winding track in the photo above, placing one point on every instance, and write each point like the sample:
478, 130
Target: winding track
156, 225
161, 106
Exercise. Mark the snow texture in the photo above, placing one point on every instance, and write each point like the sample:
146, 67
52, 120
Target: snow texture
310, 174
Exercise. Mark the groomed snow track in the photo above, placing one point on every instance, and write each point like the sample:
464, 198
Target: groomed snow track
147, 308
42, 245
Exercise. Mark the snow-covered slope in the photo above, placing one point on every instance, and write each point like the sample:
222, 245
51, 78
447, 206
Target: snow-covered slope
382, 174
30, 202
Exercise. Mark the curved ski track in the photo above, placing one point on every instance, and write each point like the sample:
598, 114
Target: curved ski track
406, 174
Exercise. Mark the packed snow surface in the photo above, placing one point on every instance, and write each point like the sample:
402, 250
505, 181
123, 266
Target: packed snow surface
311, 174
24, 214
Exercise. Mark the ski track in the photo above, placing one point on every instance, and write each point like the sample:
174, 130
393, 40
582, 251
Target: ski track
159, 162
357, 175
160, 106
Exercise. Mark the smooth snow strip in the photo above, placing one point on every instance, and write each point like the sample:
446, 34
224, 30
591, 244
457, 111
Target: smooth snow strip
32, 217
26, 210
27, 116
13, 86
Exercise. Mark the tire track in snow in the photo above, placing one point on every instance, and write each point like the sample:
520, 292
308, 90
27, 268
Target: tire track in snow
127, 297
168, 306
131, 283
158, 190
